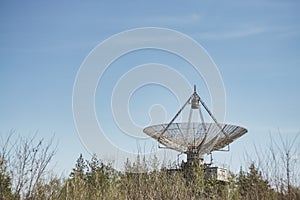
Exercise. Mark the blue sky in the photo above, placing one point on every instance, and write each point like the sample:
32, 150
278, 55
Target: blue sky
255, 45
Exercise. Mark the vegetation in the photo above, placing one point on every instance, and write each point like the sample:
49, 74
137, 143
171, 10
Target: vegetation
141, 179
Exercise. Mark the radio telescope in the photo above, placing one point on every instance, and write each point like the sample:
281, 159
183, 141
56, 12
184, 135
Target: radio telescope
195, 139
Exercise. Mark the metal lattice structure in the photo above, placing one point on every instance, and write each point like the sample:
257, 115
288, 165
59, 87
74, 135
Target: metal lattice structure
195, 138
191, 137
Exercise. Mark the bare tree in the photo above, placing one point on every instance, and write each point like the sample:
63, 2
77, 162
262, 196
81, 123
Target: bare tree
288, 149
27, 159
279, 162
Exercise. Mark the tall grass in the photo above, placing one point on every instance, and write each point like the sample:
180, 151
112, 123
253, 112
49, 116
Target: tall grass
144, 179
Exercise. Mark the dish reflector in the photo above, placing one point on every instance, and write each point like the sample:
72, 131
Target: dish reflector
186, 137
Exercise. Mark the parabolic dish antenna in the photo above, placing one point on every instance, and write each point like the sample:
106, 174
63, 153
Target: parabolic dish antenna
195, 138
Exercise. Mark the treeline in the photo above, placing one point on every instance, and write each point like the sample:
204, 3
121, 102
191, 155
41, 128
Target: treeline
141, 179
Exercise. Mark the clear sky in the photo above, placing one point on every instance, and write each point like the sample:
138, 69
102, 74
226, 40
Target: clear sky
255, 45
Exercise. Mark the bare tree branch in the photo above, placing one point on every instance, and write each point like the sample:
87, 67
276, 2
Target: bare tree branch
27, 160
